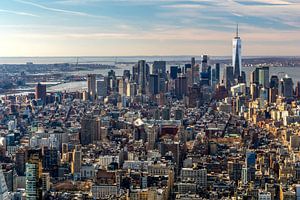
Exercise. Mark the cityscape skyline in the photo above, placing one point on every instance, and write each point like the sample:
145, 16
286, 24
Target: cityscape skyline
159, 27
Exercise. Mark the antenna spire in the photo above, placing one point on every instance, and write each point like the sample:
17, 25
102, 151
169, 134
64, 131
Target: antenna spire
237, 30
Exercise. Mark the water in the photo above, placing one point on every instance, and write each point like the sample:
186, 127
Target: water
123, 63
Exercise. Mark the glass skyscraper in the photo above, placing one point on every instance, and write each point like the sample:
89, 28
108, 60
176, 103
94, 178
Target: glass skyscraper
236, 54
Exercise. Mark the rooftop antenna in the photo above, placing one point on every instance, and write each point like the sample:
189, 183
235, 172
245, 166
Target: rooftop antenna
237, 30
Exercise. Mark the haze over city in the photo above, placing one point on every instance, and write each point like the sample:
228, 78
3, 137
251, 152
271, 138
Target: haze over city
147, 27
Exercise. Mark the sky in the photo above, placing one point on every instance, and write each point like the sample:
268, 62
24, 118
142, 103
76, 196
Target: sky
148, 27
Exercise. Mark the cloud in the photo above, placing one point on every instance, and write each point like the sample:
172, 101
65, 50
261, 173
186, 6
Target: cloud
18, 13
55, 9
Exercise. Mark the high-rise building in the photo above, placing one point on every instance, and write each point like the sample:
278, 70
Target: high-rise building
91, 82
76, 161
45, 182
297, 91
236, 54
90, 129
273, 92
21, 159
250, 159
173, 72
255, 76
33, 174
153, 84
287, 87
181, 87
159, 68
228, 77
143, 75
274, 82
4, 195
204, 63
264, 77
102, 87
40, 92
51, 160
218, 68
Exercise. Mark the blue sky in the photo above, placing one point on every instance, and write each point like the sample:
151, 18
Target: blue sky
147, 27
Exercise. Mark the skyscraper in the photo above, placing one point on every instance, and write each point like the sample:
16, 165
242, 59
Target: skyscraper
153, 84
102, 87
4, 195
90, 127
217, 72
159, 68
143, 75
33, 174
287, 87
228, 76
76, 161
173, 72
91, 82
40, 92
263, 77
274, 82
236, 54
181, 87
204, 63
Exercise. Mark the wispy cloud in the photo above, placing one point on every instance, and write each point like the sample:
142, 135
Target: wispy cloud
17, 13
78, 13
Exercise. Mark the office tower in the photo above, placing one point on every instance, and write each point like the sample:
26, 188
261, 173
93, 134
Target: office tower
263, 96
244, 175
143, 76
228, 77
165, 114
274, 82
45, 182
236, 54
4, 195
40, 92
218, 68
181, 87
193, 61
76, 161
21, 159
255, 76
263, 77
91, 82
273, 92
213, 77
298, 90
187, 67
243, 78
121, 86
204, 63
135, 73
90, 129
287, 87
189, 76
33, 174
196, 73
153, 84
195, 95
162, 85
159, 68
234, 170
51, 160
126, 74
250, 159
174, 72
102, 87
